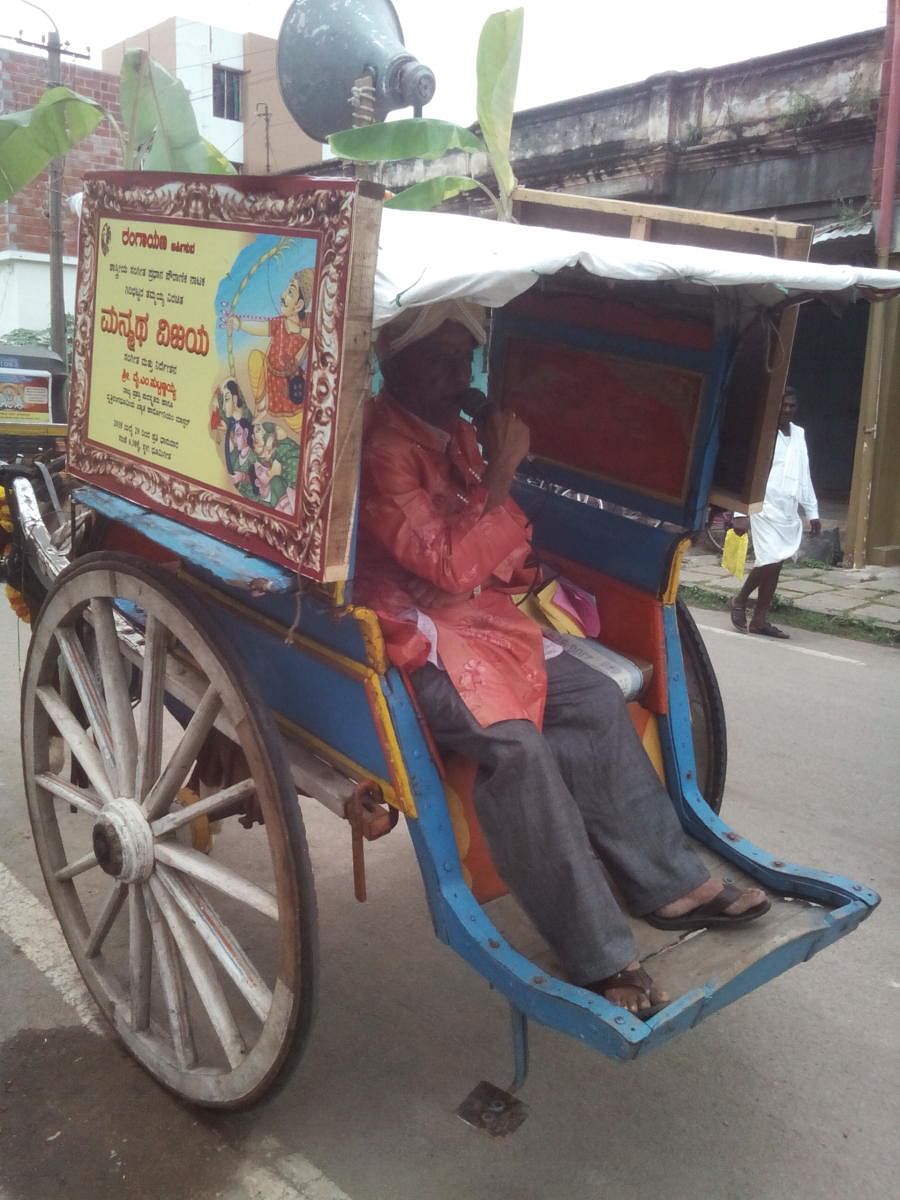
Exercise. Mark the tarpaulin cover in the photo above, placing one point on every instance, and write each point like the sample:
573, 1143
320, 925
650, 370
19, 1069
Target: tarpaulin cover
425, 256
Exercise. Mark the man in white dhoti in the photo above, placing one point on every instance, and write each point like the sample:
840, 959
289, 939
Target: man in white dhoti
777, 528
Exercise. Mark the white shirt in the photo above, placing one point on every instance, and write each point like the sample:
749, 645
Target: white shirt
777, 528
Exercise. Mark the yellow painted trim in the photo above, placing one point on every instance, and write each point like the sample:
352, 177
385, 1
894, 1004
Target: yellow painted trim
345, 664
373, 638
347, 766
391, 745
653, 747
671, 593
399, 792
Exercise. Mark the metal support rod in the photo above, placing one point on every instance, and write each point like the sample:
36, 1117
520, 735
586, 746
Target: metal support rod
519, 1024
57, 295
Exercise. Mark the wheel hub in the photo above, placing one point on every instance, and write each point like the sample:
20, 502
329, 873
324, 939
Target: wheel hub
123, 842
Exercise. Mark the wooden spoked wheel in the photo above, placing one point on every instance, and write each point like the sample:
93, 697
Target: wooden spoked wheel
708, 727
192, 923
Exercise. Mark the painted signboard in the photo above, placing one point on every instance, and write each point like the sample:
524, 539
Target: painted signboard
24, 397
221, 355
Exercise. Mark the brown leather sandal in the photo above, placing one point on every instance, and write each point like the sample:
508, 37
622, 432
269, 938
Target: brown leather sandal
711, 913
768, 630
738, 613
638, 979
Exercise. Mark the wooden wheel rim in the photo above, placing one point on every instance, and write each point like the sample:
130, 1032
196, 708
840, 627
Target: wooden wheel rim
171, 911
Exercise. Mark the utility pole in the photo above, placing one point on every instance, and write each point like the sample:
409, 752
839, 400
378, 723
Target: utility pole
262, 110
57, 236
55, 51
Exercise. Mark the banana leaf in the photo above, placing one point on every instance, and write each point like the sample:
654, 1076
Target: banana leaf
499, 52
30, 140
417, 137
161, 131
431, 192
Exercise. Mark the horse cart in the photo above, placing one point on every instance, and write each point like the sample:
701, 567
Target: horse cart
198, 671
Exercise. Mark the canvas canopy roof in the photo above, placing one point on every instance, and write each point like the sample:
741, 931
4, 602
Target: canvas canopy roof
424, 257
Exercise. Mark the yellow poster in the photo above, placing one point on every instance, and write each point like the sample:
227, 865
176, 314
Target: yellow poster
221, 355
200, 353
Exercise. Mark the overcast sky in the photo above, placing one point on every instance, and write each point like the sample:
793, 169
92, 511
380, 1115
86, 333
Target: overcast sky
570, 46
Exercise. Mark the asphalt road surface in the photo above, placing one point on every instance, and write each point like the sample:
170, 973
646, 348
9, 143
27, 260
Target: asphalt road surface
792, 1092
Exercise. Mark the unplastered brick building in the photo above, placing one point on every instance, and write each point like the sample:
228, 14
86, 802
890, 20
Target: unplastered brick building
231, 80
24, 220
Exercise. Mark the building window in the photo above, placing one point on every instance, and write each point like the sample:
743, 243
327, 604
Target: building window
227, 93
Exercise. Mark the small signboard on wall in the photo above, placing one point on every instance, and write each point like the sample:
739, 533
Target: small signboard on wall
24, 397
221, 356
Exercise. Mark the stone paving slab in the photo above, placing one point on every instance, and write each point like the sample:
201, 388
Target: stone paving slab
882, 613
877, 585
865, 593
836, 579
832, 602
803, 586
693, 572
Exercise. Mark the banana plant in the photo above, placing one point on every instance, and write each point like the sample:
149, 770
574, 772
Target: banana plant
159, 126
159, 130
497, 66
31, 139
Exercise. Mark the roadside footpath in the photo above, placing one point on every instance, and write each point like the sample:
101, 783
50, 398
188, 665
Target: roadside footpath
861, 603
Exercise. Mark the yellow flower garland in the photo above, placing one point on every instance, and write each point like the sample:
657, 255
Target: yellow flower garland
5, 515
17, 604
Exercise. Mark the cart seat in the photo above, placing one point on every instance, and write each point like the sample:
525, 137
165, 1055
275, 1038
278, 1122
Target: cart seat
632, 675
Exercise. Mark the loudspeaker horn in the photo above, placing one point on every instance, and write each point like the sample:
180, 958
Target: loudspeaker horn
327, 47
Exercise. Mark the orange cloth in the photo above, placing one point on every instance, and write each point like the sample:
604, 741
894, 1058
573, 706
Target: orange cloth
285, 347
422, 515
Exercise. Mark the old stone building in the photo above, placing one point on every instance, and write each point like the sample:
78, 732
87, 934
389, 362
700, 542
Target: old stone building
789, 135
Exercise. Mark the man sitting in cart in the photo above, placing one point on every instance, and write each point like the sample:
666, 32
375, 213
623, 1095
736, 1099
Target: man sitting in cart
562, 777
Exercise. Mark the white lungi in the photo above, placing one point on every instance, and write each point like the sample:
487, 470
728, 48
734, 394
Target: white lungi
777, 527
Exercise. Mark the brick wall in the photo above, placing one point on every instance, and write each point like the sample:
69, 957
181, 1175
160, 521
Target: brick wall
23, 220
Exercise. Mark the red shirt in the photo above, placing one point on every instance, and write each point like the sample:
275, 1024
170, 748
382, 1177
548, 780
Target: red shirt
422, 514
281, 364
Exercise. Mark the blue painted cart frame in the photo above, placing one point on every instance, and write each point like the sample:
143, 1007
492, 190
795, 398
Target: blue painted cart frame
257, 598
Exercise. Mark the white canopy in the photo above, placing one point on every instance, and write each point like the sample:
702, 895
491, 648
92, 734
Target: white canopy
426, 256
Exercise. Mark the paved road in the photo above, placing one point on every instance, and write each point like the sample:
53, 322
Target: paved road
793, 1092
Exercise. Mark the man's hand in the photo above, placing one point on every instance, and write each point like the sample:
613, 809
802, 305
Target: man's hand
815, 526
506, 443
740, 524
506, 437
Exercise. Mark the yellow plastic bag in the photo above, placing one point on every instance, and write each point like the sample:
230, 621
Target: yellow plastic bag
734, 553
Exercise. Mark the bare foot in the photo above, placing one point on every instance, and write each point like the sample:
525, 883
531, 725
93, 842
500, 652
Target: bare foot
748, 898
630, 988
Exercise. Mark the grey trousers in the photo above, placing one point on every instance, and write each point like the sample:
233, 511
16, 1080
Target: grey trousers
555, 805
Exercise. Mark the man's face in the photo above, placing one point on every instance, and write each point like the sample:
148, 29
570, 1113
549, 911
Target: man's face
429, 376
291, 298
788, 409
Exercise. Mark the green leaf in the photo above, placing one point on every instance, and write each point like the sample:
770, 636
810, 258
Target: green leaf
418, 137
160, 126
431, 192
499, 52
30, 140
